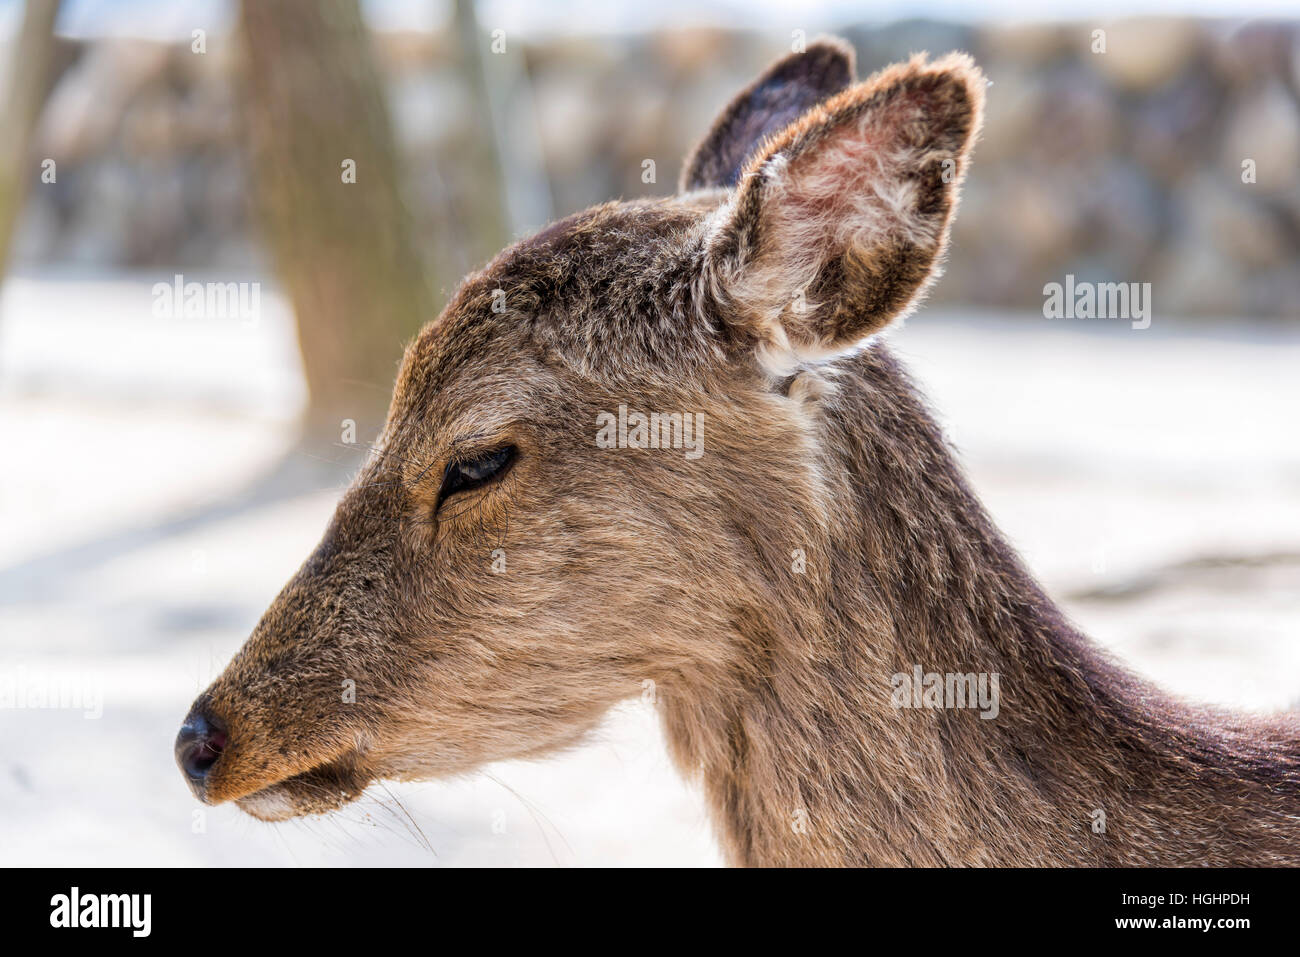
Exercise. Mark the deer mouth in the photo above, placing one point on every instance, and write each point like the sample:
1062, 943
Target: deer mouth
319, 790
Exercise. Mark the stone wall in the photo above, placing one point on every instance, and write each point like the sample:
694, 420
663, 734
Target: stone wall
1124, 165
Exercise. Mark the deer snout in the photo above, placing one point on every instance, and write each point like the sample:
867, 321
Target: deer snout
199, 744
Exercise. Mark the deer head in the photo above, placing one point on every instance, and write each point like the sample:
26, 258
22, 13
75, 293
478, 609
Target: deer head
498, 575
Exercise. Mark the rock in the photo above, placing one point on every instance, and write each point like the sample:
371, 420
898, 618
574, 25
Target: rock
1033, 45
1266, 129
1142, 54
1175, 129
1014, 102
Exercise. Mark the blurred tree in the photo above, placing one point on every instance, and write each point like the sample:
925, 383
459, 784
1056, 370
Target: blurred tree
326, 180
487, 227
513, 194
28, 85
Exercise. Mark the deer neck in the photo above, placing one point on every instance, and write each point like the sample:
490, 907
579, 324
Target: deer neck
814, 746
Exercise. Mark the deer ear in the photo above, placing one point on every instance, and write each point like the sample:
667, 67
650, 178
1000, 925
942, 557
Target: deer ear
790, 87
839, 223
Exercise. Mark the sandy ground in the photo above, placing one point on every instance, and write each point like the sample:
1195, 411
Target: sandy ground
1151, 477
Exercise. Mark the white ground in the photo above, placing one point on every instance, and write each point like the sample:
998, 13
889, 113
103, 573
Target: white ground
1112, 457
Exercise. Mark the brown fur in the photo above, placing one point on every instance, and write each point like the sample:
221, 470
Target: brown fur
626, 565
784, 93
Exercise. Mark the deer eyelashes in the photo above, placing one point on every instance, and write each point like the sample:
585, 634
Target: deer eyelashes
464, 475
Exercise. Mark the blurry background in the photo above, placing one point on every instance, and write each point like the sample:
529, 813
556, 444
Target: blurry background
166, 469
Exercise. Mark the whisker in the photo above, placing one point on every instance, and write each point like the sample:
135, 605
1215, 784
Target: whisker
534, 813
416, 826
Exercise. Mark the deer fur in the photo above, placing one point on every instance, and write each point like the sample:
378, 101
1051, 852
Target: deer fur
812, 216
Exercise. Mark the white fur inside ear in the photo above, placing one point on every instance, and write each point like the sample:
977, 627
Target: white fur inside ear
778, 356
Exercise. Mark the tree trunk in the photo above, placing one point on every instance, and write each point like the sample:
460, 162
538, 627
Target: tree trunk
33, 48
315, 108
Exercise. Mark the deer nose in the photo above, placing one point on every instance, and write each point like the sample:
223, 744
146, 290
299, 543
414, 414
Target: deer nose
198, 746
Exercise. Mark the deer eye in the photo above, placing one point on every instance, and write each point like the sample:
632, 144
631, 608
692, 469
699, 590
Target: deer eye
461, 476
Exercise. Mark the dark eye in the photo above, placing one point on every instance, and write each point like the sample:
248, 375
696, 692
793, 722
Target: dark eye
472, 473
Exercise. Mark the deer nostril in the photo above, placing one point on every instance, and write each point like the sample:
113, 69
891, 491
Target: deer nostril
198, 746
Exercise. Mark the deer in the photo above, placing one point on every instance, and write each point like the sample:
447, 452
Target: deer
495, 580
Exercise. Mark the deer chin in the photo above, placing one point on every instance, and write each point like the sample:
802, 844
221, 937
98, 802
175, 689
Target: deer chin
318, 791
